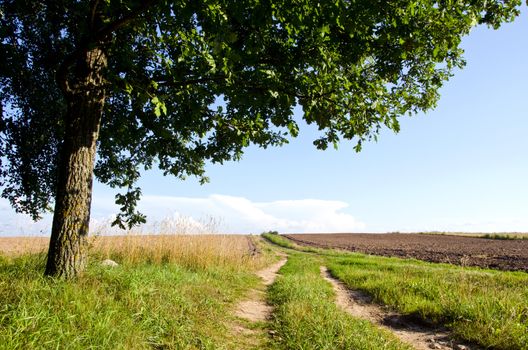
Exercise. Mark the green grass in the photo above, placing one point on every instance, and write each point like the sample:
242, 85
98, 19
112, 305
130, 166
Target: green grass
306, 316
487, 307
140, 306
483, 306
280, 241
498, 235
504, 236
177, 304
286, 243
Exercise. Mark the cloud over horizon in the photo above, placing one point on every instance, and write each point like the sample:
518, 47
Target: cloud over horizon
231, 214
241, 215
220, 213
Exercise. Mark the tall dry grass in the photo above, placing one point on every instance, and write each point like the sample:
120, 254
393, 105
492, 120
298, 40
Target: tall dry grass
14, 246
191, 251
196, 251
178, 239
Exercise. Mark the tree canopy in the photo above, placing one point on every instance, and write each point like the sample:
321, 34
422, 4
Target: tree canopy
191, 82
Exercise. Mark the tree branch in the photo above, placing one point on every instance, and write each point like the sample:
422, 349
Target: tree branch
123, 21
103, 33
94, 4
182, 83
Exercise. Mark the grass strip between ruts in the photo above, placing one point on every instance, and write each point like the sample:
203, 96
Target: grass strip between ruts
306, 316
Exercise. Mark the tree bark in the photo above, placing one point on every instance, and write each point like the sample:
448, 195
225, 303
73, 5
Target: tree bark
85, 94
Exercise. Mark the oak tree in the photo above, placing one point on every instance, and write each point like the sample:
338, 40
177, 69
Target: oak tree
116, 87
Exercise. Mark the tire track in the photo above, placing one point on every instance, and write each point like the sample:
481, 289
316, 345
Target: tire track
254, 310
418, 335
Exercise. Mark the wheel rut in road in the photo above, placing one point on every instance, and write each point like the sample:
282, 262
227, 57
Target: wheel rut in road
254, 308
418, 335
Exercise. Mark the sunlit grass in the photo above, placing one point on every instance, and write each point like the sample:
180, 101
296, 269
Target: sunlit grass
306, 316
482, 306
14, 246
487, 307
168, 292
175, 291
192, 251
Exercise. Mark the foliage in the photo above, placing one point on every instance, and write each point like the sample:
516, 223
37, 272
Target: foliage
191, 82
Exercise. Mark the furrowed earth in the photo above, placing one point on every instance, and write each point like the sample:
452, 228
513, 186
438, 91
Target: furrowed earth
466, 251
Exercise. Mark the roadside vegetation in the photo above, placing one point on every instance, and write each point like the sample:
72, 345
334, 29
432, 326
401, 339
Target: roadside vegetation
481, 306
179, 292
167, 293
286, 243
487, 307
279, 240
306, 316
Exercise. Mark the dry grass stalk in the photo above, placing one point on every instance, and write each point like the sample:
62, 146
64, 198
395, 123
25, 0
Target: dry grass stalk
13, 246
192, 251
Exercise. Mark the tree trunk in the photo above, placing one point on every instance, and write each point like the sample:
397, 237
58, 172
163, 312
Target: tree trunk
67, 253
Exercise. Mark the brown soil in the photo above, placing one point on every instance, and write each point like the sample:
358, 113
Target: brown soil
255, 308
465, 251
420, 336
269, 274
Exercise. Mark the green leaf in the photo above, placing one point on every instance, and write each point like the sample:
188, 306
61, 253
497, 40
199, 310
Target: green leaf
167, 71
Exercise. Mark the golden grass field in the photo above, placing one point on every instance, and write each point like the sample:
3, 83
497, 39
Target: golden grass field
196, 251
12, 246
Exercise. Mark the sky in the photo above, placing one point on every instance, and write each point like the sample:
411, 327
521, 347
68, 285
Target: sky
460, 167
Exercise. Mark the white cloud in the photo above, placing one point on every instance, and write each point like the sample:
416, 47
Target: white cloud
230, 214
220, 213
312, 215
241, 215
13, 224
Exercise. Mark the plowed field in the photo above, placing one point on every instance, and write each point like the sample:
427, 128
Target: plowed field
466, 251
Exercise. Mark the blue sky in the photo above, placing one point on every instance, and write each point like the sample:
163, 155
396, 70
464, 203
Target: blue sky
460, 167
